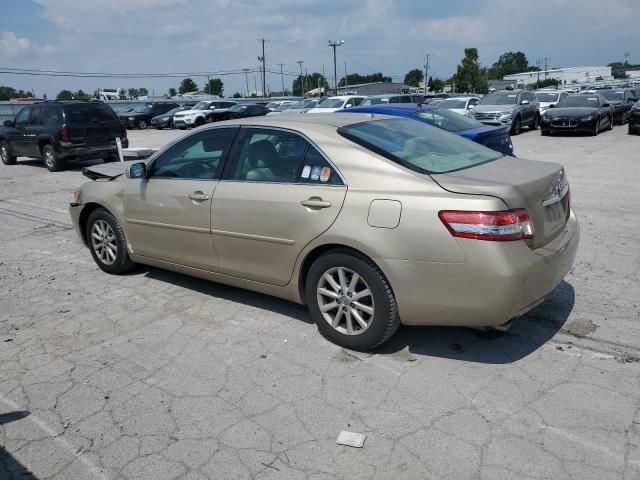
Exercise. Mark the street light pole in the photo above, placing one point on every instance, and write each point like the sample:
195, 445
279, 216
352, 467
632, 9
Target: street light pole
334, 44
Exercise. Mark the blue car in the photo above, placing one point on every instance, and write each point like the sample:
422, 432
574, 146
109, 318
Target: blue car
496, 138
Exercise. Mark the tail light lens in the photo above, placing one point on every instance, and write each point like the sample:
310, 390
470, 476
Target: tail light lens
502, 226
63, 134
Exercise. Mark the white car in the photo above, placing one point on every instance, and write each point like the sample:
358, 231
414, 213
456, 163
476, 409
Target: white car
549, 98
461, 105
302, 106
278, 103
333, 104
201, 113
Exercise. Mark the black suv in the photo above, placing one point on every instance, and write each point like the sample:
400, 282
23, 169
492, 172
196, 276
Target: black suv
141, 116
61, 131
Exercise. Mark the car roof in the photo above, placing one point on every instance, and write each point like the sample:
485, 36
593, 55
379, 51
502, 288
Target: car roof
284, 121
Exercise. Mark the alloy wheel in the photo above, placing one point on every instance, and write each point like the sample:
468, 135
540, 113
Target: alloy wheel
103, 241
3, 153
49, 160
345, 301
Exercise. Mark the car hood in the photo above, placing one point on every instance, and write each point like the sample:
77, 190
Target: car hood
161, 116
107, 171
493, 108
570, 112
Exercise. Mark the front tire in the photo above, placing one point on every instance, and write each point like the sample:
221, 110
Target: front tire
516, 125
142, 124
351, 300
107, 243
536, 122
5, 154
51, 159
596, 129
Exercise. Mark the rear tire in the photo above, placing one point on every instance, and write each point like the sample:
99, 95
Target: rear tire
142, 124
544, 133
51, 159
107, 243
375, 304
596, 129
5, 154
536, 122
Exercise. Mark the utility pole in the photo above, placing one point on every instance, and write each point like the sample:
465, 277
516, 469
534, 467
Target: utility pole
255, 85
263, 61
538, 63
300, 62
324, 79
282, 77
546, 68
426, 71
246, 77
334, 44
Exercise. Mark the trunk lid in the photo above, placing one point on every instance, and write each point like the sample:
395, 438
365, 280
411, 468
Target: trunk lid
539, 187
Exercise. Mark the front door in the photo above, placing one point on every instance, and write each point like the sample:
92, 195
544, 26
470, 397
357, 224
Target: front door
19, 136
168, 214
277, 194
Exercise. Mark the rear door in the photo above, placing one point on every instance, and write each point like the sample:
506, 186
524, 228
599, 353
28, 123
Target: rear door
278, 193
34, 130
168, 214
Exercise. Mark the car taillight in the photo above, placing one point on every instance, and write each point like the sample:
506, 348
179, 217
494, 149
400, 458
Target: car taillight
63, 134
494, 226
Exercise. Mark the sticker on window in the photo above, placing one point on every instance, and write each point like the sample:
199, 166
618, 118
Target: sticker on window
592, 99
306, 171
325, 173
315, 173
512, 96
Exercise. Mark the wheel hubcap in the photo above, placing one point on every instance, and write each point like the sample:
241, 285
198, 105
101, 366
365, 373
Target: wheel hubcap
3, 152
345, 301
103, 241
48, 158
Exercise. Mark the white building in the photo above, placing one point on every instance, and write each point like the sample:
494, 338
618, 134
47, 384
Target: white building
566, 76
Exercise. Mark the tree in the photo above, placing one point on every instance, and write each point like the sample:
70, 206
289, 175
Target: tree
237, 95
143, 92
215, 86
172, 92
305, 83
436, 85
65, 95
548, 82
187, 85
414, 77
356, 78
509, 63
7, 93
470, 77
133, 93
80, 95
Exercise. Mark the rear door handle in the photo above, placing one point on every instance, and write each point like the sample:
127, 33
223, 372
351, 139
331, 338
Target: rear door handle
198, 196
316, 203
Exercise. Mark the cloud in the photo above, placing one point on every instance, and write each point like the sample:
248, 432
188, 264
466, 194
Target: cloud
12, 46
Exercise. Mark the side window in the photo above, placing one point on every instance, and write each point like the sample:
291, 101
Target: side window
394, 100
198, 156
52, 115
36, 117
22, 118
316, 170
473, 102
357, 101
266, 155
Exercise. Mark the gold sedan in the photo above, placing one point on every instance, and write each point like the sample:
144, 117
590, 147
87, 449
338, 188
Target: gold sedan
371, 221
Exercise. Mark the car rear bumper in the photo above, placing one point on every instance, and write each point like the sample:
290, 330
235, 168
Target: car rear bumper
499, 281
84, 151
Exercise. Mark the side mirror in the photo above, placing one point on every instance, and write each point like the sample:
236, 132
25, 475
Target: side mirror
9, 123
137, 170
553, 105
471, 107
524, 102
348, 105
212, 107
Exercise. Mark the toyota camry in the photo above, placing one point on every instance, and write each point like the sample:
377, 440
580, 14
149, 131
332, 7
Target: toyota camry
372, 221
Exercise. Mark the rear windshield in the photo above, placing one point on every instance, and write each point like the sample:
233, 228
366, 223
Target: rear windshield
447, 120
83, 113
418, 146
500, 98
453, 103
579, 101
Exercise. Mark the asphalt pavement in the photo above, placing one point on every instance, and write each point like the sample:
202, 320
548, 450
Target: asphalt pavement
155, 375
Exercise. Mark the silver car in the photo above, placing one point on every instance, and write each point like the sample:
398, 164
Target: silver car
515, 108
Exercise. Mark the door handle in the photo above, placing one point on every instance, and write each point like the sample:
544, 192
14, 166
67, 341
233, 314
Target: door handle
198, 196
316, 203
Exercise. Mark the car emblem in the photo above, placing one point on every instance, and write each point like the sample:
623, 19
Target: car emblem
556, 192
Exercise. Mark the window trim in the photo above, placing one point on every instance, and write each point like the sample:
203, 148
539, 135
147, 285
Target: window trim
234, 151
221, 167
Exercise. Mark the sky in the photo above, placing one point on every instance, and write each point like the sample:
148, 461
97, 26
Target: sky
388, 36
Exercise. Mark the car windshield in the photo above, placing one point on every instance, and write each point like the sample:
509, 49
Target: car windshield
612, 94
449, 121
82, 113
201, 106
547, 97
578, 101
331, 103
453, 103
144, 108
237, 108
418, 146
273, 105
283, 107
175, 110
375, 101
500, 98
